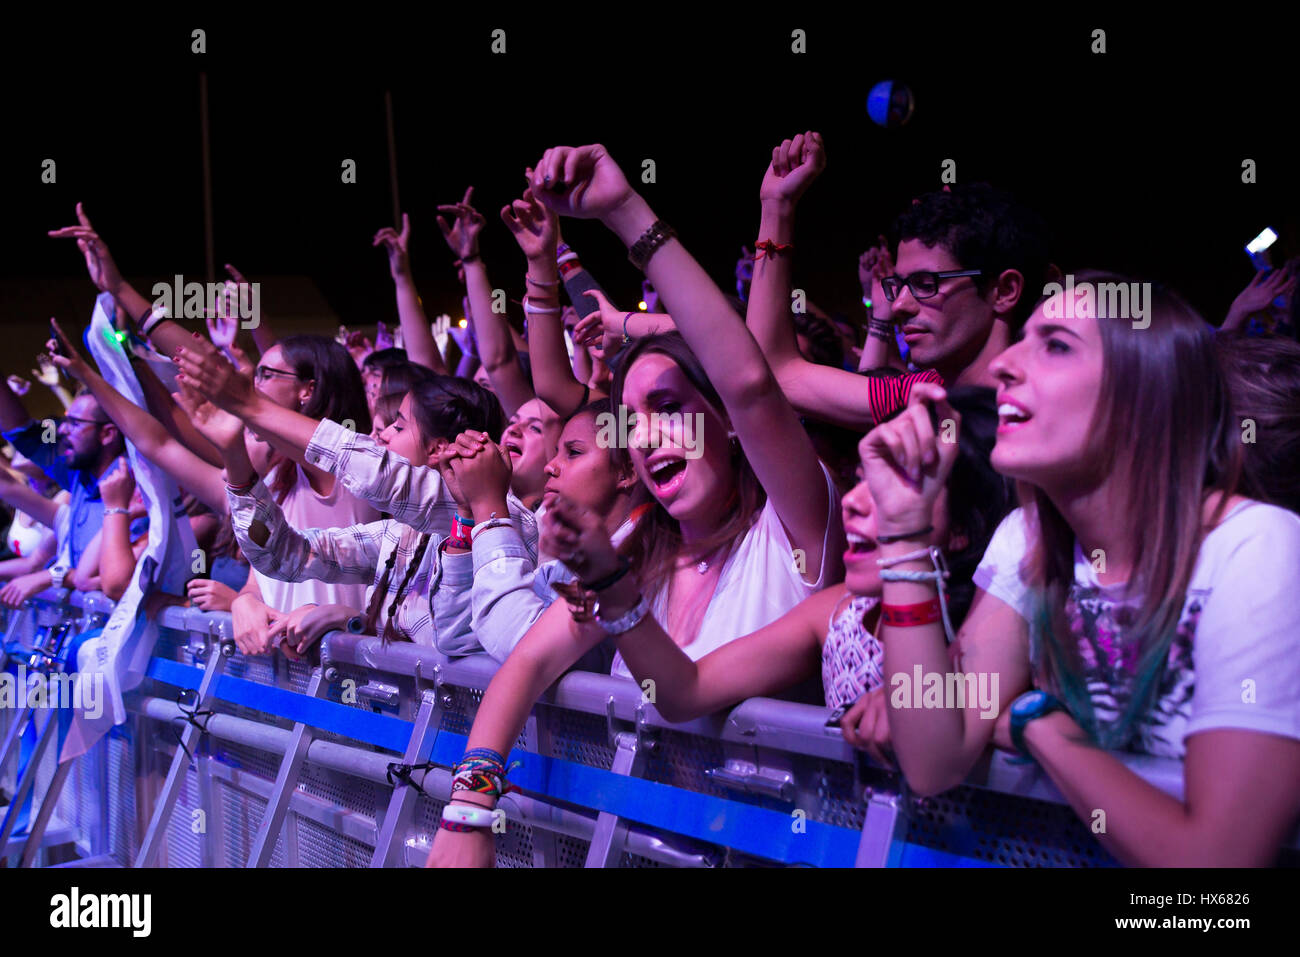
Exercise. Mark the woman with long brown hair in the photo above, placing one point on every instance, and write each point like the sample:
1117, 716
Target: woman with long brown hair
1136, 602
742, 526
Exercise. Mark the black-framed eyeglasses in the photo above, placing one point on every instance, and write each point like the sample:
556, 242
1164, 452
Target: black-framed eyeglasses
73, 421
262, 373
923, 285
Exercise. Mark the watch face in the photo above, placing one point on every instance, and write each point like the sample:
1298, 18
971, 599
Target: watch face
1028, 703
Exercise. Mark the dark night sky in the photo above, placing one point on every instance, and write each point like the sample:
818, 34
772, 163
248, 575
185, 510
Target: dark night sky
1133, 156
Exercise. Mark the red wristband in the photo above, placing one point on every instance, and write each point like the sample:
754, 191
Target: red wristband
906, 616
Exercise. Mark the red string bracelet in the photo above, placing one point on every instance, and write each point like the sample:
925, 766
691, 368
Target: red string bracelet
769, 246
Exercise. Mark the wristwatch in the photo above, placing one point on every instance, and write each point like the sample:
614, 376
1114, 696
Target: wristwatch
1028, 707
625, 622
57, 574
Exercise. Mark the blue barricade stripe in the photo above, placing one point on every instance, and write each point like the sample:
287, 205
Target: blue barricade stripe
753, 830
381, 730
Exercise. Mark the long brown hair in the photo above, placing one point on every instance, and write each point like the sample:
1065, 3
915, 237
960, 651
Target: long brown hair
1163, 425
656, 542
1263, 375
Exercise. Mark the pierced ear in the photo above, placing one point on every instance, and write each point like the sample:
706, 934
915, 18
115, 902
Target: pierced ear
627, 482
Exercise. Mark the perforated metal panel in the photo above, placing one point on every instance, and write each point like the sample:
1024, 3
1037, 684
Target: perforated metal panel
322, 847
241, 815
1004, 829
182, 839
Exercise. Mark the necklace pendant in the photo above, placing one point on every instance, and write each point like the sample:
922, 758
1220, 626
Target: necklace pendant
702, 567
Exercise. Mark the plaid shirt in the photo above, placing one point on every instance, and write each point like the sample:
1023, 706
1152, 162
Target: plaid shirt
429, 614
414, 495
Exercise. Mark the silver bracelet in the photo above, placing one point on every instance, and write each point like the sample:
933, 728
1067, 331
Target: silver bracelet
117, 511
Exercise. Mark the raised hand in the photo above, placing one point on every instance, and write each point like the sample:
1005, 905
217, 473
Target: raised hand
397, 245
117, 485
223, 325
532, 225
64, 356
874, 265
359, 346
46, 372
583, 182
606, 320
462, 233
212, 376
219, 427
482, 469
906, 464
795, 164
577, 537
1259, 294
99, 261
20, 386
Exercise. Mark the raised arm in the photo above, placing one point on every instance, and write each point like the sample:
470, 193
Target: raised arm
145, 432
117, 556
906, 467
496, 348
261, 331
586, 182
417, 335
534, 229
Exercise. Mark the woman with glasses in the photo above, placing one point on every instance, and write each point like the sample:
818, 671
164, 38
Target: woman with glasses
310, 374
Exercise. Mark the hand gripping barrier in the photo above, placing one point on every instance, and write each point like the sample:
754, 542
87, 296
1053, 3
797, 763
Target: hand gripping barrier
345, 764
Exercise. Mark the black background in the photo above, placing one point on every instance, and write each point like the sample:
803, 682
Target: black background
1134, 156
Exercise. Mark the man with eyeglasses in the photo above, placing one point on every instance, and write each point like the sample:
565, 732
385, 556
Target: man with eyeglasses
970, 265
85, 445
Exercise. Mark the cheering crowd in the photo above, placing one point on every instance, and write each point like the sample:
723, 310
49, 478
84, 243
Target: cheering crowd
1087, 506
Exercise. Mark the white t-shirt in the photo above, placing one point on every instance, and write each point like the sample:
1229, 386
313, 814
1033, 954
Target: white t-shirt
1235, 659
303, 508
759, 583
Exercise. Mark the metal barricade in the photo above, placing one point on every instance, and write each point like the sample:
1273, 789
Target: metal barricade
326, 767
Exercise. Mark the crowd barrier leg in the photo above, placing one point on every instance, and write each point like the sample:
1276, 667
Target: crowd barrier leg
885, 824
286, 781
610, 835
49, 730
218, 653
36, 831
401, 805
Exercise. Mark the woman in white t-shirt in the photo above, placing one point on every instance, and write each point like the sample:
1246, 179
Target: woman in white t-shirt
1152, 603
743, 525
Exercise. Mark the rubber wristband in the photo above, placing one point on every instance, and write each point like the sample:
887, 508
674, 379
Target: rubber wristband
910, 616
612, 579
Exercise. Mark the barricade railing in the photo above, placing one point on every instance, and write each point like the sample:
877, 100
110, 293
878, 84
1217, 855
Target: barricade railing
230, 760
